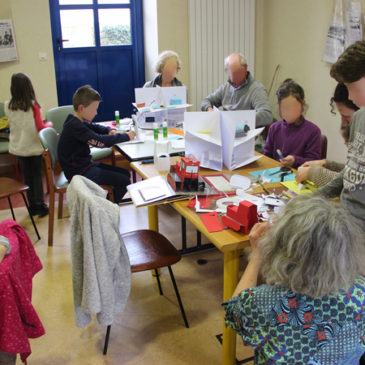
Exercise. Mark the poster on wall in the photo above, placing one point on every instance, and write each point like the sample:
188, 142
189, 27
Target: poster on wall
8, 50
335, 41
353, 23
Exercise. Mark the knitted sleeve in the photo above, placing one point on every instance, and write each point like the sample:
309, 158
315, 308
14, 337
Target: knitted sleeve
320, 175
334, 166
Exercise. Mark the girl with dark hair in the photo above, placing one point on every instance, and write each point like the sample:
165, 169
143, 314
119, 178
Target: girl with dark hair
320, 172
23, 112
292, 140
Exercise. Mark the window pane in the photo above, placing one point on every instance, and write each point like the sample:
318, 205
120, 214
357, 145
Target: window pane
78, 28
113, 1
115, 27
75, 2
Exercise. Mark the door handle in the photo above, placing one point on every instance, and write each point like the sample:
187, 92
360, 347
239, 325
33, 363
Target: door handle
59, 40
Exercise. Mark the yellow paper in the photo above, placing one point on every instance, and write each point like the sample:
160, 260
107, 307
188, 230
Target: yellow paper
293, 186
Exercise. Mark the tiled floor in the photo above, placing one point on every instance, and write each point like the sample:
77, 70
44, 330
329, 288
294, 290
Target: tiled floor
151, 329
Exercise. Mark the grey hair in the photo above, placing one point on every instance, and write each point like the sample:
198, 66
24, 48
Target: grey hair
163, 57
313, 248
243, 60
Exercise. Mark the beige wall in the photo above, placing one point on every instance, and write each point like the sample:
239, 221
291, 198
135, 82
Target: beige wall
150, 36
32, 28
173, 32
292, 34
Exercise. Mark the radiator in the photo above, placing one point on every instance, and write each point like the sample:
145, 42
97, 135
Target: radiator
216, 29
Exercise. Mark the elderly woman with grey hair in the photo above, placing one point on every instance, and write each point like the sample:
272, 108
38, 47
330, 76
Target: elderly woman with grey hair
167, 66
312, 308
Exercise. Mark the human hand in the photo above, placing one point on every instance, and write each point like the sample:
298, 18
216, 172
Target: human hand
302, 173
131, 135
315, 162
209, 109
256, 233
113, 131
288, 161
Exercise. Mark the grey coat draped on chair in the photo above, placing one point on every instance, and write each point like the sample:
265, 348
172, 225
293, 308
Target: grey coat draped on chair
101, 274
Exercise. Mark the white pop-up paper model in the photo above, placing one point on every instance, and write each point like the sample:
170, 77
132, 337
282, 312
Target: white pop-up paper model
221, 137
159, 104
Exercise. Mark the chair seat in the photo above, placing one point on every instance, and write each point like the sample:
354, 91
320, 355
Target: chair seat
149, 250
100, 153
61, 182
10, 187
4, 146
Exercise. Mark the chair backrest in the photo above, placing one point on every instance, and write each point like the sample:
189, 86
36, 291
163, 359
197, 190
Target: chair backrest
323, 146
49, 139
2, 111
58, 116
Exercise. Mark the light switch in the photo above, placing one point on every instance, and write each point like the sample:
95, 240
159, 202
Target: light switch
42, 56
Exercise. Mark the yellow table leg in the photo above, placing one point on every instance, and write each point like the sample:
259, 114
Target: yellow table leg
153, 225
153, 218
230, 280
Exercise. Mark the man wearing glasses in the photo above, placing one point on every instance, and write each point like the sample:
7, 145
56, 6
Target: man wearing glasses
240, 92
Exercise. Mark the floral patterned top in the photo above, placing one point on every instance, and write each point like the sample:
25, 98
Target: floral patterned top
289, 328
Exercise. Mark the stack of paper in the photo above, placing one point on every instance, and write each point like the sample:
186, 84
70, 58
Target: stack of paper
151, 191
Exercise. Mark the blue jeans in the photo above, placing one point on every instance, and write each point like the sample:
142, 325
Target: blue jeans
114, 176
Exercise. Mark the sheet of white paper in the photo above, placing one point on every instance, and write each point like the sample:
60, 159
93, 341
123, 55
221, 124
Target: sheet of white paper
148, 95
248, 161
239, 181
203, 123
250, 198
209, 154
174, 92
157, 186
178, 144
237, 150
203, 138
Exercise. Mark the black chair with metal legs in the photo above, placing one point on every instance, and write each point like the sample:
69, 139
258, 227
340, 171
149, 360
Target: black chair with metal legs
150, 250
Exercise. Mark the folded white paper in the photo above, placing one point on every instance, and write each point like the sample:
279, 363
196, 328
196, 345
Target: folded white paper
221, 137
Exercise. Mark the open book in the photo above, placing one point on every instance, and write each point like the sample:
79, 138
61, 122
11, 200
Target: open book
154, 190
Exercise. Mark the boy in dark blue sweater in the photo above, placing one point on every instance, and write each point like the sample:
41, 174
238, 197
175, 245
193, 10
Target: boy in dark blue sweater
78, 133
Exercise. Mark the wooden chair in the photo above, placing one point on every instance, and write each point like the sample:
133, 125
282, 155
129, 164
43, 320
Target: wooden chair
56, 185
323, 146
9, 187
150, 250
58, 116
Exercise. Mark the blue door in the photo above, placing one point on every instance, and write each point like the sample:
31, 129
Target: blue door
100, 43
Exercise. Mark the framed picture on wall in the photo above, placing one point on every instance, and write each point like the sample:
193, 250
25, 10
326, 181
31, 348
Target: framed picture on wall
8, 51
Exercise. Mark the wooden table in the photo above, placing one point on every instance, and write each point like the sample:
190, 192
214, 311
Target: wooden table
229, 242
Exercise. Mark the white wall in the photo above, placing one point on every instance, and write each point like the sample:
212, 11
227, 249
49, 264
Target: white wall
32, 28
173, 32
150, 36
292, 34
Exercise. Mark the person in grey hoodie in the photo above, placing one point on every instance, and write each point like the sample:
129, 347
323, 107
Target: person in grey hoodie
350, 183
240, 92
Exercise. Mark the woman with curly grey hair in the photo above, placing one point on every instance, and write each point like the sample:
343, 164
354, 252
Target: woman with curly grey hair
167, 66
312, 308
